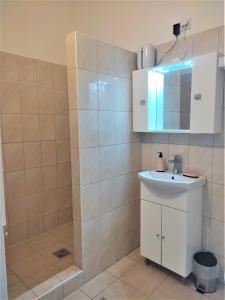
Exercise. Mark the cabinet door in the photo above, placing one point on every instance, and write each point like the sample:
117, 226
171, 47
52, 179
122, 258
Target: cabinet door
174, 240
151, 231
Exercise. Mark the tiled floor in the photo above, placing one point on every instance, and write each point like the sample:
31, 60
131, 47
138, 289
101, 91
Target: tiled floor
31, 262
130, 279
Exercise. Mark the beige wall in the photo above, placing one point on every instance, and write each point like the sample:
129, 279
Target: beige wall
35, 131
37, 28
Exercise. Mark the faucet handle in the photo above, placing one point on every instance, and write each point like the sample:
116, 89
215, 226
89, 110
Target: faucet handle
178, 158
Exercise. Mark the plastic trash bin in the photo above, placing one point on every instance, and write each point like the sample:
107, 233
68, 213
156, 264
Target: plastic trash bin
206, 272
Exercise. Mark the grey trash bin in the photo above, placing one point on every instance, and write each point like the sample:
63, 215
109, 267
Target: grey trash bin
206, 272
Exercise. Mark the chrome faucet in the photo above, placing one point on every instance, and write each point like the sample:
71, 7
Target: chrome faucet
177, 164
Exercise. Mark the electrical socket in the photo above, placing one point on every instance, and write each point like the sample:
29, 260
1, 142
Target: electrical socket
186, 25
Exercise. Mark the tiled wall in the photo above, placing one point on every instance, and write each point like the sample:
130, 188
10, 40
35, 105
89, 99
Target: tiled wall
202, 153
105, 150
35, 135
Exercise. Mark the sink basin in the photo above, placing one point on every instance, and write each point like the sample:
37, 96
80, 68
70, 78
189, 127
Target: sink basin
168, 183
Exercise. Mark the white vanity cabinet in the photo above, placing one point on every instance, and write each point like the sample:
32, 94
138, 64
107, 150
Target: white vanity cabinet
171, 228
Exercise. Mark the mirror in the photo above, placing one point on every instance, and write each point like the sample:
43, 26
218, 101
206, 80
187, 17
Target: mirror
170, 97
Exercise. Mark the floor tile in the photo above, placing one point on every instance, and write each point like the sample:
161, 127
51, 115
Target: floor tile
135, 255
48, 252
97, 284
172, 288
11, 278
42, 241
77, 295
29, 266
17, 290
41, 276
65, 262
16, 252
144, 278
121, 267
120, 291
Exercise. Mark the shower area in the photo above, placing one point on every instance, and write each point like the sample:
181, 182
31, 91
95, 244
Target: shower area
70, 163
36, 159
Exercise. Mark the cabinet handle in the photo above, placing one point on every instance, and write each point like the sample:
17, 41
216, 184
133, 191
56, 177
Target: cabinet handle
158, 235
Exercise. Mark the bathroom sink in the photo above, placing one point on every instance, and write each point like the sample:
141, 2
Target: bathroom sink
168, 183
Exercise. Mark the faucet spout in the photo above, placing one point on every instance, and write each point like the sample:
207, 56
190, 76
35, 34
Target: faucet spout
177, 164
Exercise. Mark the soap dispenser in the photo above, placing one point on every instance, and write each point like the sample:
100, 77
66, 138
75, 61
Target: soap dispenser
160, 163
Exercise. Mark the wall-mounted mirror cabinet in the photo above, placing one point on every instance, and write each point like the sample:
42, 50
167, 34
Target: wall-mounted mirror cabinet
182, 97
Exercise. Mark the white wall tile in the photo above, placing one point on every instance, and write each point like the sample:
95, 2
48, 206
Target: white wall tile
122, 94
88, 128
218, 165
90, 201
86, 52
89, 165
107, 127
217, 212
106, 92
106, 58
107, 162
87, 90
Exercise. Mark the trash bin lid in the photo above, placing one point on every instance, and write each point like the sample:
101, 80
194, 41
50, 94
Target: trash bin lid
206, 259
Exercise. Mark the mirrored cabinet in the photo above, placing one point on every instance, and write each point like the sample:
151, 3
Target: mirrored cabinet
182, 97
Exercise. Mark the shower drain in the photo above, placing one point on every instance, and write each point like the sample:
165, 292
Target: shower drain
61, 253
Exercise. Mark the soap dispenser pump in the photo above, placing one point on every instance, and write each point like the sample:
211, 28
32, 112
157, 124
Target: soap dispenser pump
161, 163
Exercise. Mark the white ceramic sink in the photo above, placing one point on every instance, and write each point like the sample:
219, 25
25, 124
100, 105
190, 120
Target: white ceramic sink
168, 183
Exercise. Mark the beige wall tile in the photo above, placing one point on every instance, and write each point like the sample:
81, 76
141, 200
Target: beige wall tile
16, 211
122, 220
45, 101
33, 180
63, 150
31, 127
32, 154
35, 207
49, 174
217, 212
18, 233
47, 127
29, 100
13, 156
36, 227
61, 102
27, 70
12, 128
218, 165
48, 153
65, 216
51, 221
205, 42
108, 228
200, 161
44, 74
64, 174
50, 199
61, 127
10, 70
71, 50
64, 197
59, 77
107, 128
72, 88
10, 99
15, 184
108, 255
